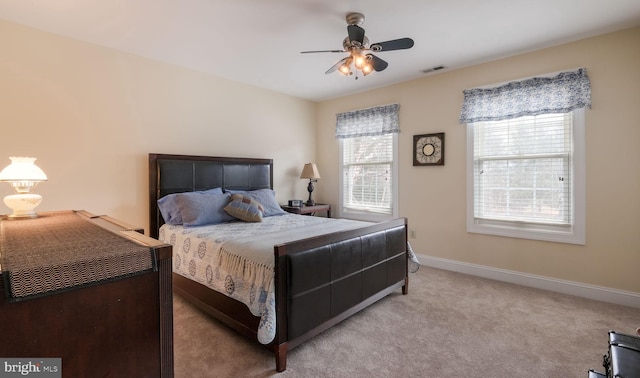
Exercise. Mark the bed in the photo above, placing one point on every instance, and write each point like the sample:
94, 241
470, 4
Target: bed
315, 281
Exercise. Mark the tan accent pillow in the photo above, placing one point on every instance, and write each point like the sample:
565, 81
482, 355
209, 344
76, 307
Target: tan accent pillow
245, 208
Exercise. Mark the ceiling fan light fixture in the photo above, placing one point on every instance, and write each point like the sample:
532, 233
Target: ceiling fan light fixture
359, 60
345, 68
367, 69
358, 46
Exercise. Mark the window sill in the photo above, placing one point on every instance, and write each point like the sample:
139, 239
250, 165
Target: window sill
570, 236
365, 216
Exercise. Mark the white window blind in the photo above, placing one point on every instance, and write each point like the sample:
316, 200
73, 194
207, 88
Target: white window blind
367, 169
523, 170
526, 157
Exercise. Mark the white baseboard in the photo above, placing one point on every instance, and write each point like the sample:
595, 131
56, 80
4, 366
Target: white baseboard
599, 293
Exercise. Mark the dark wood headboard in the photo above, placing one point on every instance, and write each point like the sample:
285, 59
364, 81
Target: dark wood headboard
184, 173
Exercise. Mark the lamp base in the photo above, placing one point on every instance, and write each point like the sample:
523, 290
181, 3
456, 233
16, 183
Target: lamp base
23, 205
310, 202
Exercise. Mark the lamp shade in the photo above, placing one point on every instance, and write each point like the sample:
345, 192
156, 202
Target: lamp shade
24, 176
22, 169
310, 171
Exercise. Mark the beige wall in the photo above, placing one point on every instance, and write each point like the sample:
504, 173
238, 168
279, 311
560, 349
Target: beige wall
434, 199
91, 115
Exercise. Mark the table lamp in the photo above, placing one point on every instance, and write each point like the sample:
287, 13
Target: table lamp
310, 171
24, 176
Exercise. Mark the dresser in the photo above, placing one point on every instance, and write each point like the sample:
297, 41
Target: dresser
90, 290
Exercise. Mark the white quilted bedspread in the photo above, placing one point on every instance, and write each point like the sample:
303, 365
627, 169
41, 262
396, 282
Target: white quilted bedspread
217, 256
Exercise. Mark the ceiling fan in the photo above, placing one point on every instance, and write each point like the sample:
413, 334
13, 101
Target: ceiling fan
358, 47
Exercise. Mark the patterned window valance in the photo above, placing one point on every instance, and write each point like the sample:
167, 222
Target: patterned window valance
539, 95
367, 122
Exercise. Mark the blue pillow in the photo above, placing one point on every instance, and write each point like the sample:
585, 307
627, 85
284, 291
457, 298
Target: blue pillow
204, 209
171, 211
266, 197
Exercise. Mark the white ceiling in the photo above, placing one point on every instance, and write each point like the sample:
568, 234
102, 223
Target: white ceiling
258, 42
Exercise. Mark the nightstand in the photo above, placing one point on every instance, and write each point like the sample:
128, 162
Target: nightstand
308, 210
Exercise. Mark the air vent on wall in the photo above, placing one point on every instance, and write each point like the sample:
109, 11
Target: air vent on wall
433, 69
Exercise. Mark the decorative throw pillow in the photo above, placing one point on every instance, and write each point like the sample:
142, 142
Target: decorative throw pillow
245, 208
169, 207
266, 197
204, 209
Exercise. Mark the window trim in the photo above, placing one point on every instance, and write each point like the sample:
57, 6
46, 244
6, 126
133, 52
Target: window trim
365, 215
574, 234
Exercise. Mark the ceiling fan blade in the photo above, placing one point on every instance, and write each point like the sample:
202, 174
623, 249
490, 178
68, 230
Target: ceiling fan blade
378, 64
336, 66
394, 44
356, 33
322, 51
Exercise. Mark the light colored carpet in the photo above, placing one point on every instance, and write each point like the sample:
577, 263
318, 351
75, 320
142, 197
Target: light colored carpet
449, 325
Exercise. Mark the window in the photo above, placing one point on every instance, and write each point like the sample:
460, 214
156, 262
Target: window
369, 176
526, 157
368, 163
525, 177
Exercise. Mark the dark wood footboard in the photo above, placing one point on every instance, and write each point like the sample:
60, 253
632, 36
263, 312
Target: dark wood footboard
323, 280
